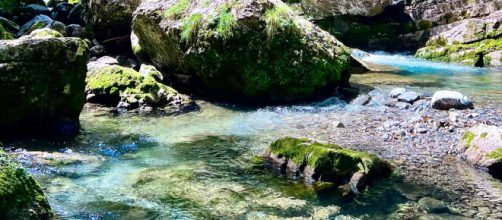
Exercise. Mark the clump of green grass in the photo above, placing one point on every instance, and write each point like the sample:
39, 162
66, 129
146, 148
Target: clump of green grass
226, 24
190, 27
177, 9
278, 18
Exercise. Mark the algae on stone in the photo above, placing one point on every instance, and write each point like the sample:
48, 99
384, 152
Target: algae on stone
113, 84
21, 197
327, 162
232, 52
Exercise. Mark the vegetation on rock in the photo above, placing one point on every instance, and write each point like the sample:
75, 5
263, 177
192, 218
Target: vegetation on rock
21, 197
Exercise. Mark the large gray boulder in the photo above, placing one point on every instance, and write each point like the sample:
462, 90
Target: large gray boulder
482, 146
250, 50
41, 82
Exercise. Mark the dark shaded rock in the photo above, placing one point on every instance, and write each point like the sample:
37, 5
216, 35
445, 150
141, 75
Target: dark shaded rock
59, 27
38, 22
76, 15
98, 51
445, 100
74, 30
61, 12
21, 197
9, 25
41, 81
325, 162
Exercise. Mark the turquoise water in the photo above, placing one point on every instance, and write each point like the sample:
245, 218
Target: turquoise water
206, 164
483, 84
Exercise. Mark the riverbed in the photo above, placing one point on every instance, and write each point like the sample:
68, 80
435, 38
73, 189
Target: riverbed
206, 164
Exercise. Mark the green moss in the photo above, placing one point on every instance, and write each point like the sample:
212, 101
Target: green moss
177, 9
468, 138
468, 54
21, 197
484, 135
113, 83
328, 161
190, 27
43, 33
424, 24
74, 1
278, 19
496, 154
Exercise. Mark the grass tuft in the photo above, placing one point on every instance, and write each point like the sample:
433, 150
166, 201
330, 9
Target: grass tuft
190, 27
177, 9
226, 24
277, 19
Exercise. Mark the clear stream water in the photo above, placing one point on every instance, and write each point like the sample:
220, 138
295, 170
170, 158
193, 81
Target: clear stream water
203, 164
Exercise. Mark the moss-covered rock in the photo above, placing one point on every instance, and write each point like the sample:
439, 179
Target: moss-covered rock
41, 81
21, 197
245, 50
115, 85
482, 146
325, 162
42, 33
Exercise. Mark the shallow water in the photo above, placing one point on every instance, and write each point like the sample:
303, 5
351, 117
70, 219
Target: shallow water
205, 164
481, 84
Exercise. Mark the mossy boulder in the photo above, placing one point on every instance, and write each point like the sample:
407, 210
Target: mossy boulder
126, 88
325, 162
247, 50
42, 33
41, 82
21, 197
482, 146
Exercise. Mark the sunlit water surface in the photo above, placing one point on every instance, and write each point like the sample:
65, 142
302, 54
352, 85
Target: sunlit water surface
205, 164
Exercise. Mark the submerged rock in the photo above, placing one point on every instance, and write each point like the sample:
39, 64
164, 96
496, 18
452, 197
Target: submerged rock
41, 81
126, 88
445, 100
325, 162
432, 205
482, 146
21, 197
250, 50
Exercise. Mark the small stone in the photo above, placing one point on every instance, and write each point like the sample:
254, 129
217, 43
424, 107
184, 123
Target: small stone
391, 124
403, 105
408, 97
361, 100
445, 100
391, 103
98, 51
396, 92
338, 124
453, 116
74, 30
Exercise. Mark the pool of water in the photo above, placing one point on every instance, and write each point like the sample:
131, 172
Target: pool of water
206, 164
482, 84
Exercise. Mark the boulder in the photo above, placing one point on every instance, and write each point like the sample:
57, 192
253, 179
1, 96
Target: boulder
42, 33
396, 92
126, 88
21, 197
325, 162
38, 22
61, 11
445, 100
482, 146
10, 5
251, 51
41, 82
